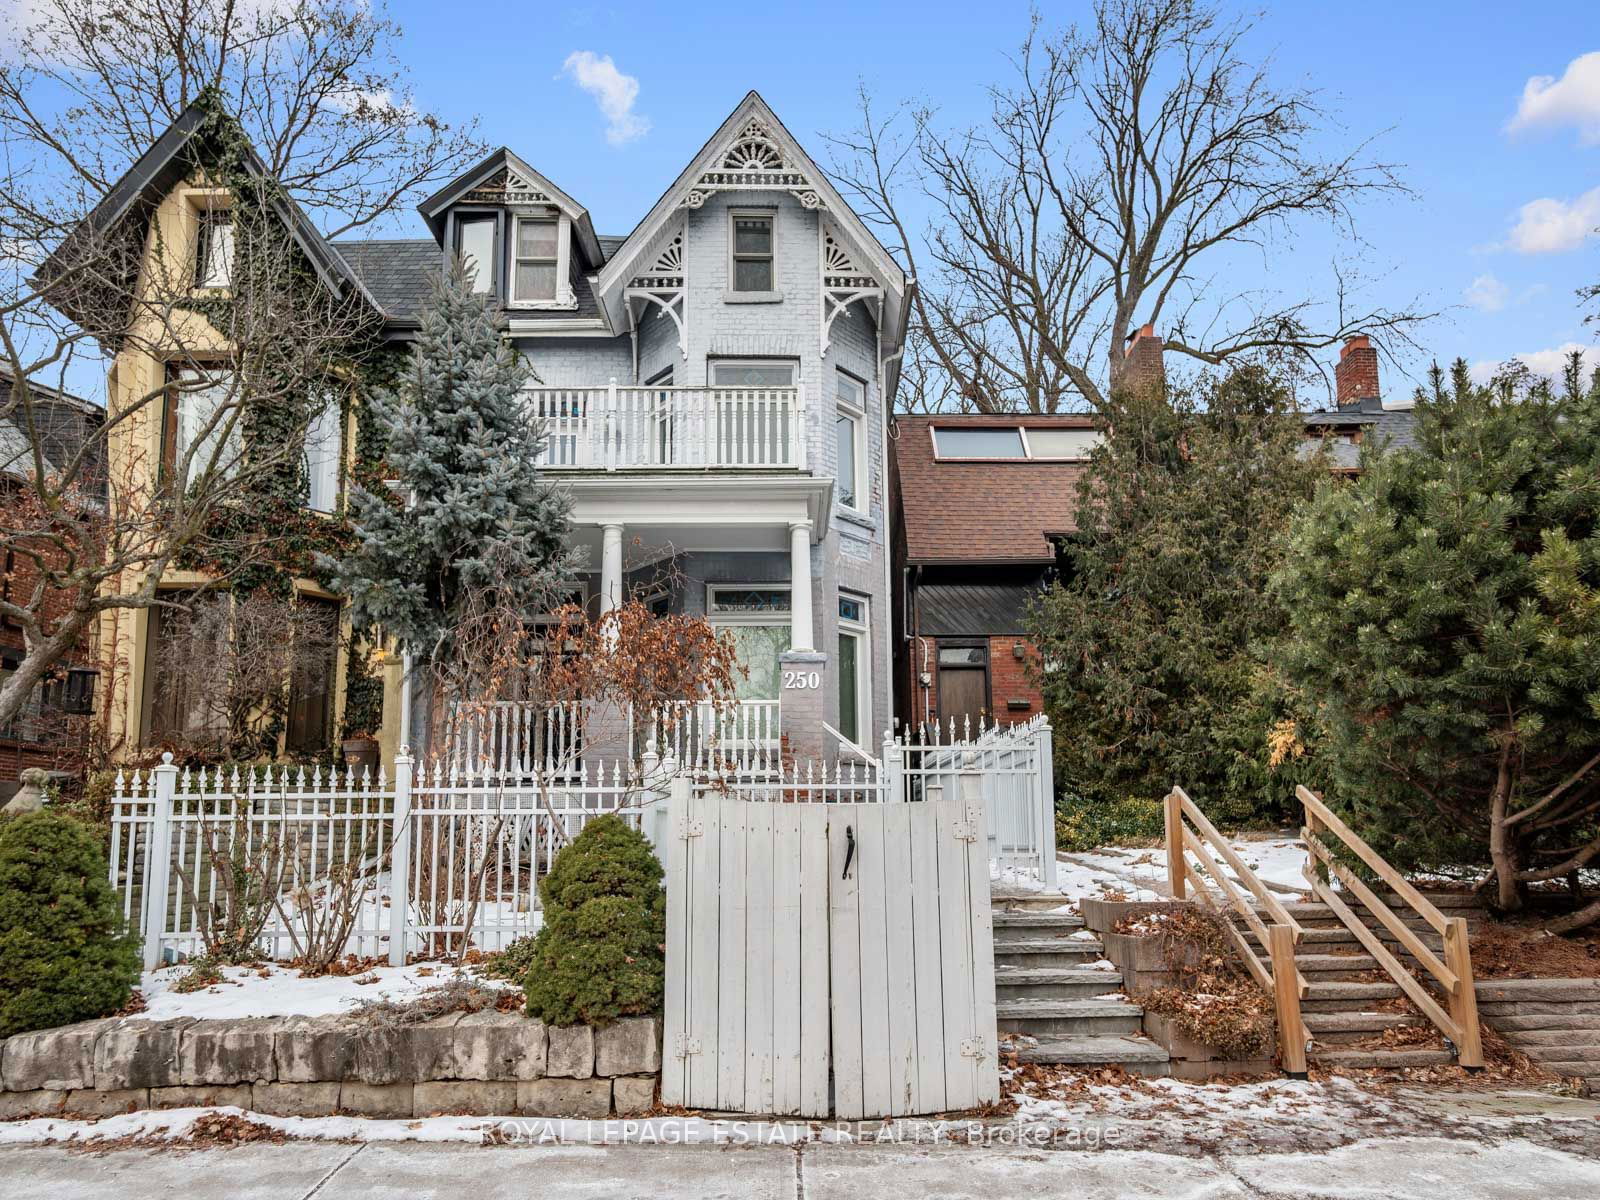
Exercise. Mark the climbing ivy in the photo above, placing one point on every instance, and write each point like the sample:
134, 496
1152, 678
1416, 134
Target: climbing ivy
265, 536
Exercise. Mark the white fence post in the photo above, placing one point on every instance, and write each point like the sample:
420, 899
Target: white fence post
159, 860
400, 860
894, 770
1043, 754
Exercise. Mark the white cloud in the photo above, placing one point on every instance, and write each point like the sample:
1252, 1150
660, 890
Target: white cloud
613, 91
1486, 294
1549, 363
1574, 99
1547, 226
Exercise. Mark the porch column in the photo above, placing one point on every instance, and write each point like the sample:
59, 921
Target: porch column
610, 567
800, 586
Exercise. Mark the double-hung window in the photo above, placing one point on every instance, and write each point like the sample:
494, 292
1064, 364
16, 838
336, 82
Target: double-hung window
323, 444
854, 667
203, 423
213, 260
475, 241
752, 251
538, 259
849, 426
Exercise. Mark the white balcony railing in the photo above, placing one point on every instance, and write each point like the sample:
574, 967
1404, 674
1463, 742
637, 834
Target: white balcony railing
620, 427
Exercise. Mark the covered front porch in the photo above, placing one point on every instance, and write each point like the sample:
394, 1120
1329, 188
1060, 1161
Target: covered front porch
742, 553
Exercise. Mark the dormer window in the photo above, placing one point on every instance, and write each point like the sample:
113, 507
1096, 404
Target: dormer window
475, 238
213, 266
538, 259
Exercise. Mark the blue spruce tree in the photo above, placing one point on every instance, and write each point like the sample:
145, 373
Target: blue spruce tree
469, 514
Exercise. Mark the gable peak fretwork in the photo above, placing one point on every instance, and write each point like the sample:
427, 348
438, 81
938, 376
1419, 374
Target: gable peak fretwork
843, 283
507, 187
754, 161
663, 286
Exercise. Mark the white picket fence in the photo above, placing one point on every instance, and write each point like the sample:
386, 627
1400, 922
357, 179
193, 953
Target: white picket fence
429, 860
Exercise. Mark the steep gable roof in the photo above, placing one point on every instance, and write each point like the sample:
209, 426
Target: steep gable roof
995, 510
523, 183
171, 159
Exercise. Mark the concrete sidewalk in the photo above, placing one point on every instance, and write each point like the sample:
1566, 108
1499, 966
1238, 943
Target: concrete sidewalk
1388, 1169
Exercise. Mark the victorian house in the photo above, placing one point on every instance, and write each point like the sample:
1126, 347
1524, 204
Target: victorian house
713, 385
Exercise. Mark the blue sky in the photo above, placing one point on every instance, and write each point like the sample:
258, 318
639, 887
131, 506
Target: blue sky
1444, 80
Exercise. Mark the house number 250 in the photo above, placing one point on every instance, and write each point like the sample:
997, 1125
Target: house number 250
802, 680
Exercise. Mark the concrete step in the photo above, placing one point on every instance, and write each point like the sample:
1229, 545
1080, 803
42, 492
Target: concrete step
1136, 1055
1024, 901
1028, 925
1327, 967
1053, 983
1341, 996
1334, 1028
1363, 1059
1053, 1019
1063, 952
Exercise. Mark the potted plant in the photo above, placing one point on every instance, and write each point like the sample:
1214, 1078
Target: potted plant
360, 750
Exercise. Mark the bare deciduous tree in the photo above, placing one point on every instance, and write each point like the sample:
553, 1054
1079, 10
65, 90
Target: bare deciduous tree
324, 120
314, 83
1130, 163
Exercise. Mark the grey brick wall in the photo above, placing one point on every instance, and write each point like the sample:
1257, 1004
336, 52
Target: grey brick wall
854, 554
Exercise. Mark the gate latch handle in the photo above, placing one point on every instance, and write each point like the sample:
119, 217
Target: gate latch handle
850, 849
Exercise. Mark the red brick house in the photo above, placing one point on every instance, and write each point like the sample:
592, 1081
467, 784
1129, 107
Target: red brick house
981, 507
980, 502
53, 729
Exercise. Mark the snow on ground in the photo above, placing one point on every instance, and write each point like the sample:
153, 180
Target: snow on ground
1140, 872
276, 991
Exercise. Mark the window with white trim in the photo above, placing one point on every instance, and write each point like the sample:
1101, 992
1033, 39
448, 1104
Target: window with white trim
743, 372
536, 272
1057, 442
854, 668
213, 263
755, 617
203, 423
751, 268
475, 242
849, 427
323, 445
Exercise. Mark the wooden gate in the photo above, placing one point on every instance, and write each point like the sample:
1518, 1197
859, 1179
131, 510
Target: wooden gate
829, 959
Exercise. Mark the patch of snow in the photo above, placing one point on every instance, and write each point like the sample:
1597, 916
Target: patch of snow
276, 991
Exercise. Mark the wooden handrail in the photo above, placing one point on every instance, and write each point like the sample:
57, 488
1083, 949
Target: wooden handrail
1424, 907
1280, 975
1453, 974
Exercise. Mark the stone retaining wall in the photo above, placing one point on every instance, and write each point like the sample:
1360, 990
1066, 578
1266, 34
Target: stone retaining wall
1555, 1022
481, 1064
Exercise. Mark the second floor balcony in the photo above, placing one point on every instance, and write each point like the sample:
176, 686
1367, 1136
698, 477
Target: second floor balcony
628, 427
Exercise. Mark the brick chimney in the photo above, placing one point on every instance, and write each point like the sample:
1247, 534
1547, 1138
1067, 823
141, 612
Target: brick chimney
1356, 377
1143, 368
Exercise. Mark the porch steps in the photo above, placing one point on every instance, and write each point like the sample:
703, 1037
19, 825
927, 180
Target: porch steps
1054, 1019
1067, 1013
1350, 1003
1053, 983
1135, 1055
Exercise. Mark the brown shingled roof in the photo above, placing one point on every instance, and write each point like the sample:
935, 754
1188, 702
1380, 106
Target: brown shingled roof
1001, 510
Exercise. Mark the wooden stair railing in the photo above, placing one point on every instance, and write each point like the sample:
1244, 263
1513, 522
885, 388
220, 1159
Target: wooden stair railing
1279, 976
1454, 974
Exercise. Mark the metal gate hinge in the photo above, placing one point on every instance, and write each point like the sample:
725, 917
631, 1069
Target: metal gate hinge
966, 830
685, 1046
974, 1048
688, 829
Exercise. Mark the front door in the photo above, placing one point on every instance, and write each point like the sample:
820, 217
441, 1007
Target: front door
963, 685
